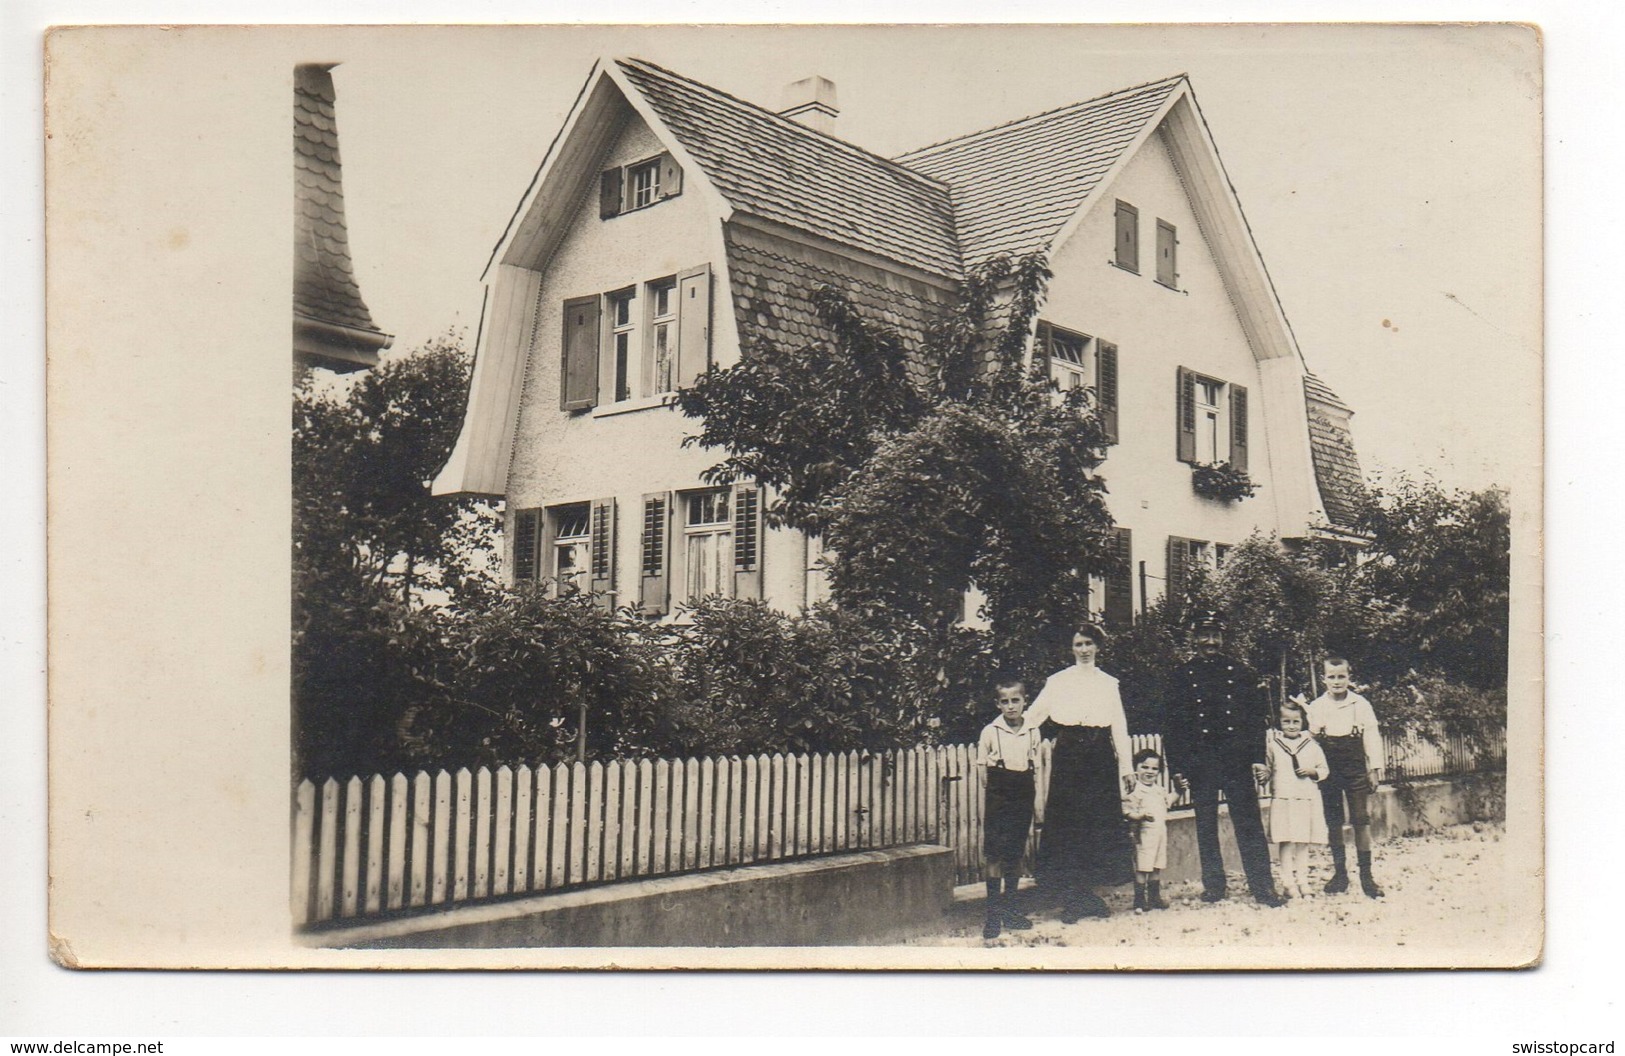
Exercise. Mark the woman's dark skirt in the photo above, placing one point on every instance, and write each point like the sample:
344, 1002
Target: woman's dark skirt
1086, 840
1008, 816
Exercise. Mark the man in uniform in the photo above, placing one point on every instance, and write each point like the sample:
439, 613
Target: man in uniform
1215, 725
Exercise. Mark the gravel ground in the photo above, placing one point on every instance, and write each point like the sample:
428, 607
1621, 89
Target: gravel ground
1442, 892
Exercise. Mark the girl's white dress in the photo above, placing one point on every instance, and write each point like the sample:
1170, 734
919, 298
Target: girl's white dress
1151, 835
1296, 814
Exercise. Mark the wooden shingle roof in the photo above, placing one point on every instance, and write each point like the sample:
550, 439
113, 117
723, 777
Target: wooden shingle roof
1331, 446
1016, 185
775, 168
332, 326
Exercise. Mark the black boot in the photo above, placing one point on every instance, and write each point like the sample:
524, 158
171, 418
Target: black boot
1153, 895
1140, 905
1367, 884
990, 923
1340, 867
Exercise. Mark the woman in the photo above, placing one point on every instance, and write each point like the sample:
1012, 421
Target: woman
1085, 840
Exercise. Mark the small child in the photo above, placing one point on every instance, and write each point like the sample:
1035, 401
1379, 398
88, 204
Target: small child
1345, 725
1297, 766
1009, 751
1148, 805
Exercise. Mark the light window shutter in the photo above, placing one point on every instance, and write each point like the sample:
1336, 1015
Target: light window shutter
526, 524
609, 194
1167, 240
671, 177
693, 324
1106, 388
747, 541
578, 369
1128, 237
1185, 419
1238, 427
1179, 563
601, 552
1119, 609
654, 554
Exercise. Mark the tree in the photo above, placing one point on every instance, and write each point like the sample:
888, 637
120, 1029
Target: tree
926, 470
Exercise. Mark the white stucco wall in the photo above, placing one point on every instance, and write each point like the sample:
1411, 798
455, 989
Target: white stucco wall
1157, 330
565, 457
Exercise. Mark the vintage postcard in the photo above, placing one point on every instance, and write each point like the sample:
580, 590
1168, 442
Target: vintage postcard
883, 497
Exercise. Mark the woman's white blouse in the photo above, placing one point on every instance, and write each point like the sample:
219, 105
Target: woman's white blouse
1085, 696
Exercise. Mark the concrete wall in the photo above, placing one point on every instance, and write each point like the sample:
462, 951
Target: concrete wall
1157, 330
843, 900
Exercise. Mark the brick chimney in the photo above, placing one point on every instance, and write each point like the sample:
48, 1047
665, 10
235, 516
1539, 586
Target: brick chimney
811, 101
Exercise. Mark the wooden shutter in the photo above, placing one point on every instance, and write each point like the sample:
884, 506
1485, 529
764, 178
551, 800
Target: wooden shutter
1041, 347
1185, 419
609, 193
1128, 237
671, 177
654, 554
1238, 427
1179, 564
526, 529
1167, 240
578, 369
693, 324
747, 541
1119, 608
1106, 388
601, 551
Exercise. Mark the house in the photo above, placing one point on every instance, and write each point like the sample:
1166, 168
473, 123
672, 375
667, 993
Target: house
332, 327
671, 223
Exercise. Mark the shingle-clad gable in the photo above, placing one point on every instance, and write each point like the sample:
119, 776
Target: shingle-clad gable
1015, 186
775, 168
324, 285
1331, 444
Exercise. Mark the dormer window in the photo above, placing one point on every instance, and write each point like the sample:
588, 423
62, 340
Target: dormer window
627, 188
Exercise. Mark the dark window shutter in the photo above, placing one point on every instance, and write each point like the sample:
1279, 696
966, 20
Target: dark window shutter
1106, 388
1185, 420
1167, 240
671, 177
609, 193
693, 324
601, 550
578, 369
1238, 427
1119, 610
654, 555
1041, 346
526, 529
1179, 563
1128, 237
747, 541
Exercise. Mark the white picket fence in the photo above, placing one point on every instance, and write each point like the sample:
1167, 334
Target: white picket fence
368, 846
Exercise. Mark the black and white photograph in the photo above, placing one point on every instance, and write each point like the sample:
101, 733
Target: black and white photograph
830, 496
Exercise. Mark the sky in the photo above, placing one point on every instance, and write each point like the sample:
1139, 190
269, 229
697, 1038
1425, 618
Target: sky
1390, 176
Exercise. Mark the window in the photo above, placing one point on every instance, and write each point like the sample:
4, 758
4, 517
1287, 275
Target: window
708, 539
1077, 361
639, 185
1212, 421
1128, 238
571, 547
623, 335
1167, 255
1187, 557
638, 342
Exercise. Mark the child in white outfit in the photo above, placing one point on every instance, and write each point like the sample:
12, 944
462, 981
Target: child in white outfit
1297, 818
1148, 805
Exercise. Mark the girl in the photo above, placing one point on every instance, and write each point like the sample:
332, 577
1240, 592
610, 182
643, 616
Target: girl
1085, 840
1297, 766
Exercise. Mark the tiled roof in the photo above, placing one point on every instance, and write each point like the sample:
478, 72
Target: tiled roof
1337, 465
780, 170
1016, 185
324, 286
772, 283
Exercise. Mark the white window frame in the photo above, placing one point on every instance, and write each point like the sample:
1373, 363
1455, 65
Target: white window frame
641, 196
577, 544
624, 347
1066, 372
662, 327
1212, 419
711, 540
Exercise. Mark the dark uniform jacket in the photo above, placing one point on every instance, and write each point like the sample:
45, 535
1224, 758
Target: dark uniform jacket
1215, 720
